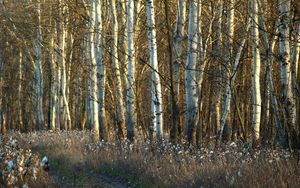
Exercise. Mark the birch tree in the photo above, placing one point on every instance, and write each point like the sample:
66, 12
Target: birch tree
156, 92
38, 73
230, 13
20, 122
228, 91
190, 75
218, 56
53, 82
255, 74
130, 97
177, 63
99, 22
269, 89
93, 72
62, 46
116, 68
285, 62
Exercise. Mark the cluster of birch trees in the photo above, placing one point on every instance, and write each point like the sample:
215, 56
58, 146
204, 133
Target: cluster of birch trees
159, 70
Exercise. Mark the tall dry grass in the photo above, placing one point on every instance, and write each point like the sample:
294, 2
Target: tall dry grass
74, 156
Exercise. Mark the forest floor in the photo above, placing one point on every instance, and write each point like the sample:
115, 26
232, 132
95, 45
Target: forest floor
75, 161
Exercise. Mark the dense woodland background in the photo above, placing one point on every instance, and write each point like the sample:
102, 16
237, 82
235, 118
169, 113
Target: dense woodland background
160, 70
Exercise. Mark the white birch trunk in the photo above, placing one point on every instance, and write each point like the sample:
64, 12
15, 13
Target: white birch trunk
157, 113
62, 48
295, 67
38, 68
53, 70
255, 74
190, 75
284, 59
228, 54
20, 90
130, 97
122, 43
93, 73
178, 41
296, 50
58, 98
116, 66
275, 106
101, 68
228, 92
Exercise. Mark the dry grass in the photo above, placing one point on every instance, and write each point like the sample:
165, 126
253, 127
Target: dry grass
19, 167
75, 158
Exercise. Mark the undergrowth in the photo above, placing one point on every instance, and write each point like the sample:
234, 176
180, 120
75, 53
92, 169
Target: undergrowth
74, 157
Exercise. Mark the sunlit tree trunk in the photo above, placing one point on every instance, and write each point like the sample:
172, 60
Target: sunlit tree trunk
99, 22
38, 68
190, 75
156, 93
270, 95
177, 58
53, 69
121, 7
285, 62
62, 48
255, 75
20, 122
228, 92
93, 73
228, 52
117, 75
280, 129
131, 85
295, 68
219, 68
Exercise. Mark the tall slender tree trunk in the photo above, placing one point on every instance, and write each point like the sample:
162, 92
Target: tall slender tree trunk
270, 95
117, 74
156, 93
218, 52
101, 68
190, 75
255, 75
53, 87
228, 91
284, 7
177, 53
20, 111
295, 69
173, 104
228, 59
62, 48
121, 7
131, 83
38, 68
93, 73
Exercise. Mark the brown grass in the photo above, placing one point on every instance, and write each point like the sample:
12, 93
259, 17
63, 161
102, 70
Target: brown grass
75, 158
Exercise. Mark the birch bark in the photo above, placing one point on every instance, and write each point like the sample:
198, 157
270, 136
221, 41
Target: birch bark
190, 75
101, 68
255, 75
284, 7
93, 73
130, 97
38, 68
156, 94
117, 75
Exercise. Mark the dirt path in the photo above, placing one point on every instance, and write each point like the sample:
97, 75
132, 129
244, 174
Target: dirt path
92, 180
